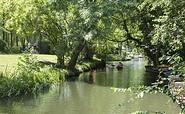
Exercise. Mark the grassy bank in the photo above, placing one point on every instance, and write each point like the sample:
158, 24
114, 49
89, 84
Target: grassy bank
29, 76
9, 61
84, 66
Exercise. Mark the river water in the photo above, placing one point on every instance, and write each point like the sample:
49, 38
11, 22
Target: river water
91, 94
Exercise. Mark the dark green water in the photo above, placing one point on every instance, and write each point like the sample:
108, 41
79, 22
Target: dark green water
91, 94
132, 74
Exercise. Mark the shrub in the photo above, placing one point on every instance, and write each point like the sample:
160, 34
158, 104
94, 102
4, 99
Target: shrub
15, 49
29, 78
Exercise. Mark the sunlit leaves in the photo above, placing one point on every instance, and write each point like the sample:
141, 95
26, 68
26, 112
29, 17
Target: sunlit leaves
85, 13
170, 31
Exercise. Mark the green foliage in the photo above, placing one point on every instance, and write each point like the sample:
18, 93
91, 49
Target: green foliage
160, 86
114, 57
28, 63
15, 49
64, 24
85, 66
29, 78
153, 25
175, 60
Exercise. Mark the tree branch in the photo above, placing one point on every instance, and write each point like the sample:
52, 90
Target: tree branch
129, 36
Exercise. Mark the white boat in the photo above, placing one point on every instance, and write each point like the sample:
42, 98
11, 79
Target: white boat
128, 58
140, 56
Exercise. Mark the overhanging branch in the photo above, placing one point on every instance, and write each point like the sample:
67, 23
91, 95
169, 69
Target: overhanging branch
129, 36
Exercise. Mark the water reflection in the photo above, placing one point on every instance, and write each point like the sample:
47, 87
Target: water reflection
132, 74
92, 95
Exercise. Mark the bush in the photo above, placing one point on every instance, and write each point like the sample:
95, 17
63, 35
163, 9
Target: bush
15, 49
29, 78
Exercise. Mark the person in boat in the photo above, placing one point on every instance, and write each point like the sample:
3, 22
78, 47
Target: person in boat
120, 65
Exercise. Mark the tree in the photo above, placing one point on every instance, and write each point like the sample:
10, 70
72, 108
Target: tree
67, 25
138, 23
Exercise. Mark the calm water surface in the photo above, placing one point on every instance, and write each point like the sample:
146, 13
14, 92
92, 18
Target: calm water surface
91, 94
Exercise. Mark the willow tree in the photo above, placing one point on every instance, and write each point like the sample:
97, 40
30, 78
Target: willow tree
67, 25
88, 28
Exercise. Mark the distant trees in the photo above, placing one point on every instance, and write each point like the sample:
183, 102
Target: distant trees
8, 36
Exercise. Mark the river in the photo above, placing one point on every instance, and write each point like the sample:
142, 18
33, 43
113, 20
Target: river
91, 94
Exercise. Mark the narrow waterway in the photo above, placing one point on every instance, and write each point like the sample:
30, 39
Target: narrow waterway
91, 94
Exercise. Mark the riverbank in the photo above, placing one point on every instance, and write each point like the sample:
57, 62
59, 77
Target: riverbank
32, 77
83, 66
27, 77
80, 93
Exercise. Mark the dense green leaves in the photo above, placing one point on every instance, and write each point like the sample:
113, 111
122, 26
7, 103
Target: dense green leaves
156, 26
81, 29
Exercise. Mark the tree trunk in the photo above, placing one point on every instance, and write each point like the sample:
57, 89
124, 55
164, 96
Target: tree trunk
154, 57
120, 48
60, 61
17, 40
40, 40
89, 52
11, 38
3, 24
3, 37
75, 54
7, 38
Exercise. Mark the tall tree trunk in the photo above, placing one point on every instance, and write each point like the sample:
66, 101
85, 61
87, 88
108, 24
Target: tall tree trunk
40, 40
3, 37
11, 38
76, 53
120, 48
17, 40
7, 38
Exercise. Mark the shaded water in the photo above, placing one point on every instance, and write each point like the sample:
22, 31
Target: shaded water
132, 74
91, 94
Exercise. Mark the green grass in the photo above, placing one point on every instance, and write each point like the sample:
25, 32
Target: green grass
8, 62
